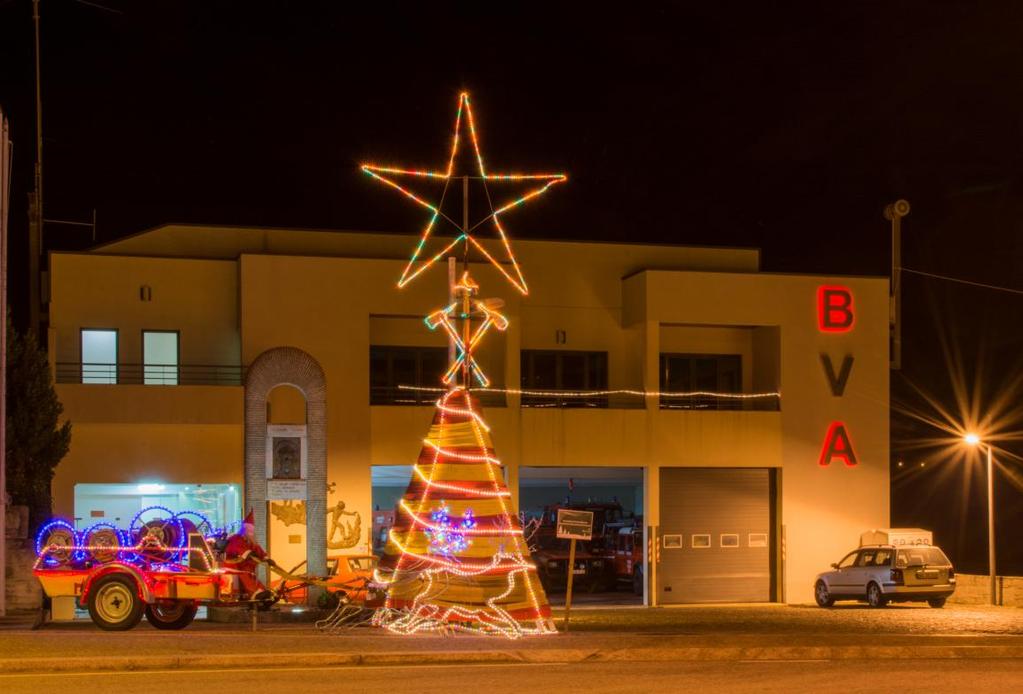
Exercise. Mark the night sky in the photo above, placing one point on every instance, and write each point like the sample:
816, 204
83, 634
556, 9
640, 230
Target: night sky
786, 126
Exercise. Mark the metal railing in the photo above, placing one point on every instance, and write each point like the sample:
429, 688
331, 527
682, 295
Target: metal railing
575, 399
767, 402
396, 395
150, 374
582, 401
636, 400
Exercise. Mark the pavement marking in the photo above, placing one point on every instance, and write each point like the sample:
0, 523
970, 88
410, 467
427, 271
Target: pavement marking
432, 666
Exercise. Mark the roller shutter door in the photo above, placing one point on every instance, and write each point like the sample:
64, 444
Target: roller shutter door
715, 535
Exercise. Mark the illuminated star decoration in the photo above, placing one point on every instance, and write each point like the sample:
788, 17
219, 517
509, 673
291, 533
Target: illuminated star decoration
456, 309
446, 538
418, 263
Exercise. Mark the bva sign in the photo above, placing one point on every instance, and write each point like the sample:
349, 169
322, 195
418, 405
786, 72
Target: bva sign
836, 314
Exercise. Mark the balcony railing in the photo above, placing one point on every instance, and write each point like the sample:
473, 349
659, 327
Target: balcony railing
577, 399
756, 402
635, 400
150, 374
397, 395
582, 400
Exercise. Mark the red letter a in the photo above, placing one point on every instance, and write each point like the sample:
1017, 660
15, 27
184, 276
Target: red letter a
837, 445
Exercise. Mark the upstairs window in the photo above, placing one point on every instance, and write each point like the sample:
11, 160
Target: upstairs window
99, 356
563, 370
160, 357
709, 373
392, 366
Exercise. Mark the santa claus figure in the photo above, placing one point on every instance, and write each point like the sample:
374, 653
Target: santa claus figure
243, 554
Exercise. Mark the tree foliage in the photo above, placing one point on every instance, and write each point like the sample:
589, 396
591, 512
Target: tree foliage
36, 440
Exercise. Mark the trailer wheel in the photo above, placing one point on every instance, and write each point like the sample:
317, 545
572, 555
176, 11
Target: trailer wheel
114, 603
177, 615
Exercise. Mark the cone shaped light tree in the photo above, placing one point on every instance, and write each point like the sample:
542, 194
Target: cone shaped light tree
456, 558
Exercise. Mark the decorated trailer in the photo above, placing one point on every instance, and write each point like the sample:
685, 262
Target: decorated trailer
163, 569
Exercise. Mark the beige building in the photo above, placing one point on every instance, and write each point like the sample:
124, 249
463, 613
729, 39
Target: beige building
216, 368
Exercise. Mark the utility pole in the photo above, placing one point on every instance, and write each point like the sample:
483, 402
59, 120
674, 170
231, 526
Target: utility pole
992, 571
894, 213
35, 206
5, 200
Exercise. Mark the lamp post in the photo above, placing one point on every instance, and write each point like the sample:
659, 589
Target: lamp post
974, 440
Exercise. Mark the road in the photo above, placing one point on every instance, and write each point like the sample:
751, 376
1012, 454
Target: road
973, 675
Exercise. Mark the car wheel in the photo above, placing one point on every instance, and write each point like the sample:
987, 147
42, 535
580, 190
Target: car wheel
114, 603
875, 598
936, 603
822, 595
177, 615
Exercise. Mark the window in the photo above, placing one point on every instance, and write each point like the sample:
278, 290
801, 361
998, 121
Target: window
672, 542
921, 556
757, 539
882, 558
701, 541
554, 370
866, 558
729, 540
849, 560
159, 357
712, 373
391, 367
99, 356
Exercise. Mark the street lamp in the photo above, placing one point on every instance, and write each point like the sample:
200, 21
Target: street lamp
974, 440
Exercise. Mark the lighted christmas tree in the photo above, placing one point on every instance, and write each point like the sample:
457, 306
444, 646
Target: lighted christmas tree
456, 557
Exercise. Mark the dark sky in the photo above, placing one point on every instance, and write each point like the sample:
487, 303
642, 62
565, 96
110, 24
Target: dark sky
786, 126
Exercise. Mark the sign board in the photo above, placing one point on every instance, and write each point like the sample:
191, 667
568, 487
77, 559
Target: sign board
575, 525
900, 537
283, 490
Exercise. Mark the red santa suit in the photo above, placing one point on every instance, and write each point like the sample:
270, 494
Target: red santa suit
241, 554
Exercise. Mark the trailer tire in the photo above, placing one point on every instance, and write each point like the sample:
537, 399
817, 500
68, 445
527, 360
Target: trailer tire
171, 617
114, 603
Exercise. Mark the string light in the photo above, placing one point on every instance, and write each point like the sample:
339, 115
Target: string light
415, 266
457, 488
457, 455
430, 557
440, 521
601, 393
148, 545
444, 318
445, 537
59, 544
436, 568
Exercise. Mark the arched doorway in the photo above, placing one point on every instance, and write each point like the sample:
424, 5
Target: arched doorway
293, 367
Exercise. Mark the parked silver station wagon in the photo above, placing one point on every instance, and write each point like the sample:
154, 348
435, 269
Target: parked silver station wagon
879, 574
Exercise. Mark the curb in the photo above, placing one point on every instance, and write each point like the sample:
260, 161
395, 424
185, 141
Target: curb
554, 655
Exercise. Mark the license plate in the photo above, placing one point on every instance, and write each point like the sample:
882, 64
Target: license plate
578, 571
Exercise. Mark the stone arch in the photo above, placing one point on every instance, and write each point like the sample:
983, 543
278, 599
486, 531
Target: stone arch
294, 367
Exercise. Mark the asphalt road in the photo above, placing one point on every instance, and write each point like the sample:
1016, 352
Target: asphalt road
973, 675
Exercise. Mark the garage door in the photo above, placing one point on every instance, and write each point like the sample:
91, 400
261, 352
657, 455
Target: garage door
715, 535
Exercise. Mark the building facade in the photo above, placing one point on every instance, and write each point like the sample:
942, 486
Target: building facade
220, 368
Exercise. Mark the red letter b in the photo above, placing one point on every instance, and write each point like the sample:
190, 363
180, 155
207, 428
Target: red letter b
834, 309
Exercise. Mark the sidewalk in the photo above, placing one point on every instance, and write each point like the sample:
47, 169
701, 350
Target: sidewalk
670, 634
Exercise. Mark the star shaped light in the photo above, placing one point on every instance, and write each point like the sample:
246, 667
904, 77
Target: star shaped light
419, 262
